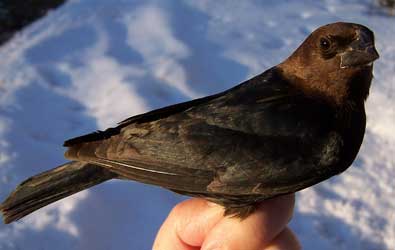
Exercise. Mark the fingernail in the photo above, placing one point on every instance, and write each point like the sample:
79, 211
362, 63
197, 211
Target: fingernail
214, 246
214, 205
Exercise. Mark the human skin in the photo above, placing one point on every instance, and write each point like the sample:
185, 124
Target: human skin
197, 224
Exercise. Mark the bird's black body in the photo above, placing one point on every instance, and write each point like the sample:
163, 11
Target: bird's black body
288, 128
257, 140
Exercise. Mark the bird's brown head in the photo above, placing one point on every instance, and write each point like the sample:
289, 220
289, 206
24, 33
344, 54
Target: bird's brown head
335, 62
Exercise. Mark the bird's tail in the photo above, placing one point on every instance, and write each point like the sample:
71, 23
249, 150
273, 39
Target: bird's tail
50, 186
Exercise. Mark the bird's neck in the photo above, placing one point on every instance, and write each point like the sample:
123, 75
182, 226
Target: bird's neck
339, 88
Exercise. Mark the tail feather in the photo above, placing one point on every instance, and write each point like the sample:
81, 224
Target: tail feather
50, 186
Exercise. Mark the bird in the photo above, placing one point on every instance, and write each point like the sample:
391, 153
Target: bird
294, 125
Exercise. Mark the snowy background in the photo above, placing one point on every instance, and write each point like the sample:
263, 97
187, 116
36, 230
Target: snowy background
92, 63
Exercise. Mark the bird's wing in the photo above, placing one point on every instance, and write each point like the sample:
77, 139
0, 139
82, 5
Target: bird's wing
248, 140
141, 118
272, 92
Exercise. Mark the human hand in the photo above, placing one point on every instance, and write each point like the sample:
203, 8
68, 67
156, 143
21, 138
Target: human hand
197, 224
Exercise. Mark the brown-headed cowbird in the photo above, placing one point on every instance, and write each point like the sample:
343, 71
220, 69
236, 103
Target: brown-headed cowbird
286, 129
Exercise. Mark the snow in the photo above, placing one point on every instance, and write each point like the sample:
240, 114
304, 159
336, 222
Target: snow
92, 63
150, 34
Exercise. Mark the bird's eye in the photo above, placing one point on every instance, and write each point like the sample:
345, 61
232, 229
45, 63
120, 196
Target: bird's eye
325, 44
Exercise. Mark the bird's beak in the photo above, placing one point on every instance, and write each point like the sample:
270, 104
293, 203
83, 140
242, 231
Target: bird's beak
361, 51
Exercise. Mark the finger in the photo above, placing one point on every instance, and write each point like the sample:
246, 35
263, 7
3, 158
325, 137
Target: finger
196, 218
256, 231
286, 240
167, 239
187, 225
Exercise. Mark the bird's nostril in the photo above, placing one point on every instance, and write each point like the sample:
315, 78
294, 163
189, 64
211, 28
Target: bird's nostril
365, 36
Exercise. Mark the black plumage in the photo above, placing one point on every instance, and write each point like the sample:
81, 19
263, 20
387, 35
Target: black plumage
288, 128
